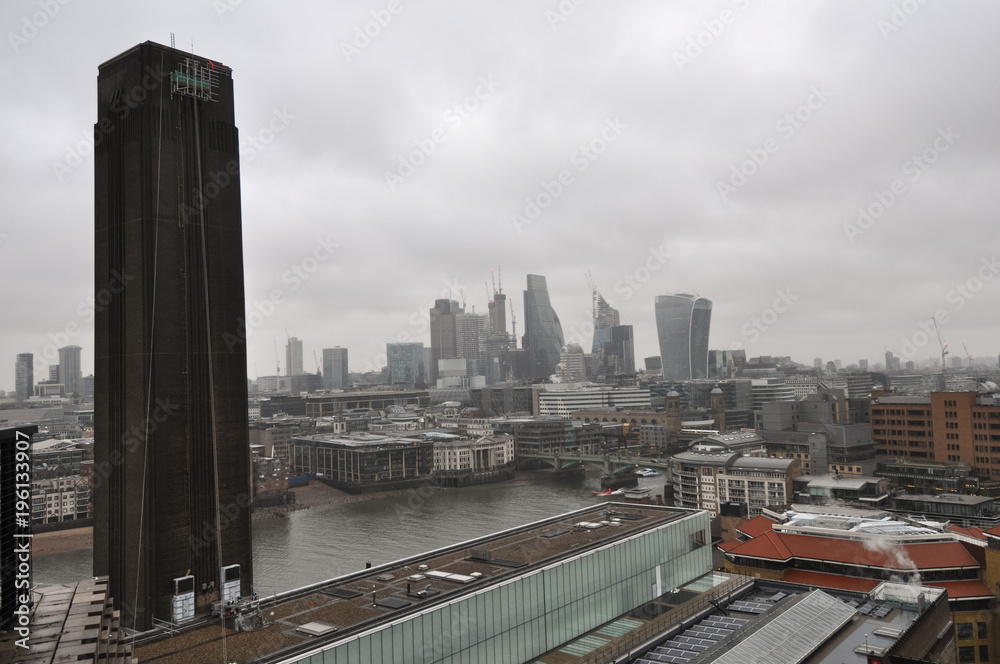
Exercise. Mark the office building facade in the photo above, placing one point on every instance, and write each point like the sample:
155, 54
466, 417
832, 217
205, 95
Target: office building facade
171, 443
24, 376
543, 333
335, 373
444, 334
682, 325
69, 370
293, 357
406, 363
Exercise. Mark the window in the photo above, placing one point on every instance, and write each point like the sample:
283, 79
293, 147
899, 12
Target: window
967, 654
984, 653
963, 631
981, 630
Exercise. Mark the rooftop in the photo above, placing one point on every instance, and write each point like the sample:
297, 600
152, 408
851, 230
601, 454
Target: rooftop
369, 599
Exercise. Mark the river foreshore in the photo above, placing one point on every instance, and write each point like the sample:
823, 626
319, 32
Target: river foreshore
313, 495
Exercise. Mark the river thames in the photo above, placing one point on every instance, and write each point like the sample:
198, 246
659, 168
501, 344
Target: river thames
326, 541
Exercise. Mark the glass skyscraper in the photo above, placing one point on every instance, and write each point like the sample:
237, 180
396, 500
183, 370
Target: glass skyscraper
682, 323
543, 334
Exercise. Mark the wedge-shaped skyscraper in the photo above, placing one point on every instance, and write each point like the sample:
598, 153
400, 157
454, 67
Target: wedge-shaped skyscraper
543, 334
682, 322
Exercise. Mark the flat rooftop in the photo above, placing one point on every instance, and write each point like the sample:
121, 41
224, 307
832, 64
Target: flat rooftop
370, 598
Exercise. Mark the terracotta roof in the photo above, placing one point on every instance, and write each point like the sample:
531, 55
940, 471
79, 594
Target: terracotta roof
755, 526
993, 531
975, 533
726, 546
823, 580
782, 546
964, 589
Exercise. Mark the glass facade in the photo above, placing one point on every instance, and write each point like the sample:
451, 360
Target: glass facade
527, 616
406, 363
543, 334
682, 325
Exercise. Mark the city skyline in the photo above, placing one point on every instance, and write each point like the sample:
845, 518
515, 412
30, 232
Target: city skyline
807, 201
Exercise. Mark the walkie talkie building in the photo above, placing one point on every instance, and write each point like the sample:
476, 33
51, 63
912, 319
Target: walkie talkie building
682, 323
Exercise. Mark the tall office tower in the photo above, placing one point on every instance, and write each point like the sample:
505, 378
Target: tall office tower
498, 314
543, 334
471, 331
406, 363
24, 376
682, 322
69, 370
293, 357
172, 458
605, 318
54, 373
622, 345
890, 363
335, 369
572, 364
444, 335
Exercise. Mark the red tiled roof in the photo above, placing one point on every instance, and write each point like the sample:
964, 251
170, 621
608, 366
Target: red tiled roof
782, 546
756, 526
993, 531
726, 546
975, 533
823, 580
964, 589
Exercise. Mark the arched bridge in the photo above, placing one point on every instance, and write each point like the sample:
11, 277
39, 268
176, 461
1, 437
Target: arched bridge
609, 464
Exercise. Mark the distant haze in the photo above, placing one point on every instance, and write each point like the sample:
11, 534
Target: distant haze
824, 172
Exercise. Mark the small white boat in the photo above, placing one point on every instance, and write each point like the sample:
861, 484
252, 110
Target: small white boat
646, 472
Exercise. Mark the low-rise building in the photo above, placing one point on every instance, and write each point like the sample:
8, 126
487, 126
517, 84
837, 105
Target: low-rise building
712, 472
362, 462
60, 499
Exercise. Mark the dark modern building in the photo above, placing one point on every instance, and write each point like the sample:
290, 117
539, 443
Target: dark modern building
24, 376
682, 323
172, 458
361, 462
543, 334
335, 369
622, 346
444, 334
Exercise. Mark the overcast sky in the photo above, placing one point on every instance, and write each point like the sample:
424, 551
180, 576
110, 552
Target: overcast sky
723, 148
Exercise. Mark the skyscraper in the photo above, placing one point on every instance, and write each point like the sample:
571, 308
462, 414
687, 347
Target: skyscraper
24, 376
605, 318
293, 357
543, 334
444, 334
172, 463
471, 331
69, 370
682, 323
622, 345
335, 368
406, 363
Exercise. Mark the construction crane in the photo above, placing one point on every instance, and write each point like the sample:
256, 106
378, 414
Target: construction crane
277, 362
499, 280
319, 368
967, 354
513, 320
461, 291
494, 285
944, 351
